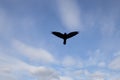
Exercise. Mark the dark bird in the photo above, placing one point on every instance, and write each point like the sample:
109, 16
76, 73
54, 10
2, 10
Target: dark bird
65, 36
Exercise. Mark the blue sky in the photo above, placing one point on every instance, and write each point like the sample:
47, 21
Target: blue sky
28, 50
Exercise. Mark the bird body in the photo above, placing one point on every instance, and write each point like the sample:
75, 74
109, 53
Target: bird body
65, 36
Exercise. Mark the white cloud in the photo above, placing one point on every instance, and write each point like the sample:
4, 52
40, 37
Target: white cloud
114, 77
115, 63
68, 61
9, 66
97, 58
94, 57
45, 73
70, 14
98, 76
91, 61
65, 78
79, 74
117, 54
102, 64
33, 53
102, 17
7, 77
71, 62
84, 74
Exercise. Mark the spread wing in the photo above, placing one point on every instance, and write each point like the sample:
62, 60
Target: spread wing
71, 34
58, 34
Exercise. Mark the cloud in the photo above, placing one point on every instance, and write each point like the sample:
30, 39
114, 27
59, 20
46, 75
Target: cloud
94, 58
7, 77
102, 64
14, 69
98, 76
68, 61
70, 14
45, 73
114, 76
98, 58
80, 74
87, 16
65, 78
117, 54
33, 53
84, 74
8, 67
115, 63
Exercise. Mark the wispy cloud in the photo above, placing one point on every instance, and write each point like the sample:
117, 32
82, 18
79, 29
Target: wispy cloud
96, 58
115, 63
71, 62
68, 61
103, 17
70, 14
102, 64
44, 73
33, 53
98, 75
10, 66
65, 78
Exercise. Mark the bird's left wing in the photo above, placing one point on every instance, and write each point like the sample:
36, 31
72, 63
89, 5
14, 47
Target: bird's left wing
71, 34
58, 34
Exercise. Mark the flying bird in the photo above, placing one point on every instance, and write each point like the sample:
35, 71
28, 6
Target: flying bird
65, 36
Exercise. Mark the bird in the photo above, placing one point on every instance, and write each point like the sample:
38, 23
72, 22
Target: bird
65, 36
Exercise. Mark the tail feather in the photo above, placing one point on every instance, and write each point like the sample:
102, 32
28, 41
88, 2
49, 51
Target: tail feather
64, 42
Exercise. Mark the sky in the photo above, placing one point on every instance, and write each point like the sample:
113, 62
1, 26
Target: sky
28, 50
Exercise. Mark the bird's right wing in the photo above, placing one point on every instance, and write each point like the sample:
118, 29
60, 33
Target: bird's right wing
58, 34
72, 34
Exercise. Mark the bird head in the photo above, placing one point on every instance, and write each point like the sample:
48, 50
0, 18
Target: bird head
65, 33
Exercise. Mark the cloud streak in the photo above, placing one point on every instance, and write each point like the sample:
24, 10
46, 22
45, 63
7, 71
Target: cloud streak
11, 65
115, 63
70, 14
33, 53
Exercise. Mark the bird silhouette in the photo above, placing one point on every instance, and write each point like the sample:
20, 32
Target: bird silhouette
65, 36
